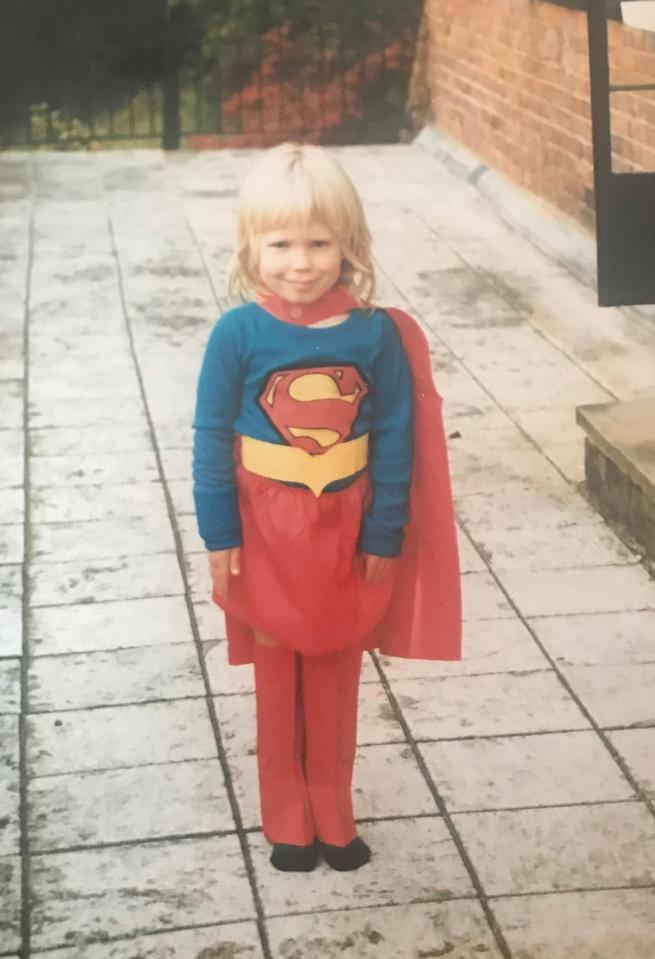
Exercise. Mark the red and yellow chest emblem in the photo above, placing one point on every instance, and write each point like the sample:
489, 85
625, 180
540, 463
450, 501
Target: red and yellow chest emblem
314, 408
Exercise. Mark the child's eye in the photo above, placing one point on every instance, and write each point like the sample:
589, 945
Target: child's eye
279, 244
321, 242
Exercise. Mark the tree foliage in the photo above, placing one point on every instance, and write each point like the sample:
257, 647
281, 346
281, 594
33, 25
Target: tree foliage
82, 57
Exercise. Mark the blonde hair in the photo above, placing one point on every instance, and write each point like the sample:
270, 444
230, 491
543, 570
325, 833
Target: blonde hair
297, 183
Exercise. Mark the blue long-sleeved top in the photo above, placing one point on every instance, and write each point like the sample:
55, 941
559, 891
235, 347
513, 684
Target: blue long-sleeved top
246, 347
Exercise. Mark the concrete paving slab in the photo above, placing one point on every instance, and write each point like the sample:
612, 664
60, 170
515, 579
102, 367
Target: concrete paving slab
522, 504
100, 412
239, 940
476, 471
119, 736
115, 625
135, 536
482, 598
62, 504
538, 547
11, 404
564, 849
491, 705
211, 621
226, 680
637, 747
11, 631
377, 722
548, 769
12, 363
549, 424
94, 349
10, 901
587, 925
177, 464
603, 341
10, 699
467, 408
470, 560
616, 695
568, 458
9, 787
114, 677
114, 578
494, 306
12, 503
131, 890
457, 929
490, 646
199, 579
174, 433
530, 389
13, 442
62, 441
414, 859
96, 469
598, 639
585, 590
461, 299
389, 784
67, 381
176, 400
11, 468
11, 543
182, 495
188, 530
245, 781
11, 586
115, 806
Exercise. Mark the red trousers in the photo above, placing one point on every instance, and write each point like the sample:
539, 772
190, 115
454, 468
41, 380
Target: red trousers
306, 741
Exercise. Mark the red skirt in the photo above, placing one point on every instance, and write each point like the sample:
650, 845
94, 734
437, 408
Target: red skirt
301, 580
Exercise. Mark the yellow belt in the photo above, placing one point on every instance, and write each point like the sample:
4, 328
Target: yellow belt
291, 464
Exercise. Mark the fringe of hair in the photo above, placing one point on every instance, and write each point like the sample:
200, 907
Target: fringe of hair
294, 183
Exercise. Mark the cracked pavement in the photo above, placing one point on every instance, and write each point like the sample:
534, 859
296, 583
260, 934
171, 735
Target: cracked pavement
509, 799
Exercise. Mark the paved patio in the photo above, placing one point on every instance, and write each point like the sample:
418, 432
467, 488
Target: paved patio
509, 799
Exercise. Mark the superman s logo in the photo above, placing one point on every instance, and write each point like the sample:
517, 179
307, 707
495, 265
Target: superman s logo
314, 408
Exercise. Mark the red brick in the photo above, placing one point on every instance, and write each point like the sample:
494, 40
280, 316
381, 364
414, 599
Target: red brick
510, 79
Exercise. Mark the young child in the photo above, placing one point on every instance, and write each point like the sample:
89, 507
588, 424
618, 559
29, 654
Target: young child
322, 492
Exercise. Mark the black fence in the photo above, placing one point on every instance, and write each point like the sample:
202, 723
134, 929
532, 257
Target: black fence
149, 72
625, 202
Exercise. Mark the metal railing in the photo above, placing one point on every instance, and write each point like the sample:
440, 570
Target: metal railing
330, 81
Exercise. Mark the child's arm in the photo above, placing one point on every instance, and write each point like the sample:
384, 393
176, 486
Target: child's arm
377, 568
390, 463
224, 563
214, 488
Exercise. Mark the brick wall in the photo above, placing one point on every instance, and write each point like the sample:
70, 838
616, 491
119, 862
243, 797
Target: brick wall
510, 80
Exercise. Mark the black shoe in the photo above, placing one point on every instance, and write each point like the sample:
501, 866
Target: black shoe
289, 858
345, 858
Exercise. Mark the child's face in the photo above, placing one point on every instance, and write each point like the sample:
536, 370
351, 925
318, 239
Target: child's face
300, 263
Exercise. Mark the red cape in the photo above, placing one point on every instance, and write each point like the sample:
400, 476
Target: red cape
424, 617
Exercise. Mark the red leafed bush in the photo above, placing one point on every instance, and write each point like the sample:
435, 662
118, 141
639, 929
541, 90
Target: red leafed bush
298, 90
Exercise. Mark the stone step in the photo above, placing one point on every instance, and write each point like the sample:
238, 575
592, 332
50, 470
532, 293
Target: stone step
620, 464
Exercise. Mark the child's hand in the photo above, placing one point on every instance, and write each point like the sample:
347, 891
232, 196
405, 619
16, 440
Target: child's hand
224, 563
377, 568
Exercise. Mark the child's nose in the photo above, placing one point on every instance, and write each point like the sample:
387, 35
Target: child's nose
301, 257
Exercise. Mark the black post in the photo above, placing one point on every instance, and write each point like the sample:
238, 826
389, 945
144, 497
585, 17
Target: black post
171, 82
602, 138
171, 109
